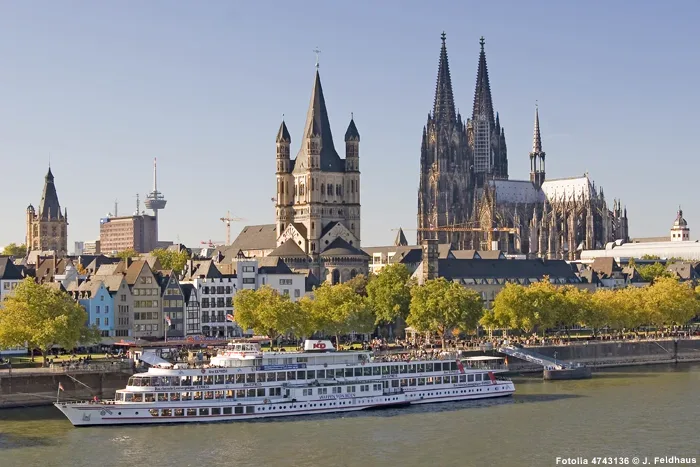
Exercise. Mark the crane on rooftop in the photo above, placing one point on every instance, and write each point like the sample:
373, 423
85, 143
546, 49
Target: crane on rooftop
227, 220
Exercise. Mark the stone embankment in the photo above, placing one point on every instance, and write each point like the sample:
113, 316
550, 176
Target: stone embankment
39, 386
606, 354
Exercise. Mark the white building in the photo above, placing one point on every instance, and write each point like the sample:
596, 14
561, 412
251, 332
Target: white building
10, 276
678, 245
215, 292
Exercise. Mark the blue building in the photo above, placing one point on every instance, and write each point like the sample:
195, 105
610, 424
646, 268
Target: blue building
94, 296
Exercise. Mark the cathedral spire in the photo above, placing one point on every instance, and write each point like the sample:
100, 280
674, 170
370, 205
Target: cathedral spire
483, 105
536, 137
49, 208
444, 106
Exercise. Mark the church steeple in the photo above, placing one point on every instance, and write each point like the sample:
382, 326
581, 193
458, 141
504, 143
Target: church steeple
444, 105
483, 105
537, 165
49, 208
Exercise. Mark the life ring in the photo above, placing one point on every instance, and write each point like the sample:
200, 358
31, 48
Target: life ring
266, 401
203, 371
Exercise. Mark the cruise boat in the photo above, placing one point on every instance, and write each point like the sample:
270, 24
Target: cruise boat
243, 383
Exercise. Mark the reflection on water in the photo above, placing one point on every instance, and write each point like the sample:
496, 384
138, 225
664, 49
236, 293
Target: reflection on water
650, 410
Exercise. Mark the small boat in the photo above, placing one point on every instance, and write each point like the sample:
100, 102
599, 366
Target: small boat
242, 382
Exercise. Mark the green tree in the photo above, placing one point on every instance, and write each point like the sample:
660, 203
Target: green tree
42, 317
669, 301
266, 312
359, 284
175, 260
338, 310
18, 251
127, 254
389, 293
650, 257
650, 272
440, 306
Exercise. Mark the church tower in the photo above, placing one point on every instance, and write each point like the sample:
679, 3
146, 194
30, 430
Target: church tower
318, 196
487, 139
444, 193
537, 169
47, 228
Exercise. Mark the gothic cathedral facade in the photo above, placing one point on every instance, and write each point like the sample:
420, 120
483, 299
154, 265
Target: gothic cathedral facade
47, 228
466, 198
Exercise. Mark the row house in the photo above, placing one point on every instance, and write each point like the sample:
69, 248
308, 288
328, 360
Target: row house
215, 291
173, 303
10, 277
192, 311
148, 313
95, 298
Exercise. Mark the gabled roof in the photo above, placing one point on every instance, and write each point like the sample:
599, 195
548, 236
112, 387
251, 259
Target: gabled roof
205, 269
188, 290
340, 247
318, 125
112, 282
288, 249
605, 267
134, 271
8, 270
327, 228
273, 265
400, 239
254, 237
301, 228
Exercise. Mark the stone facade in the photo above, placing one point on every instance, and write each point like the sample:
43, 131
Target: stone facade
47, 227
466, 198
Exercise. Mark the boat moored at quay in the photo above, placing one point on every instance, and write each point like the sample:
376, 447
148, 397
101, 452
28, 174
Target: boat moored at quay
243, 383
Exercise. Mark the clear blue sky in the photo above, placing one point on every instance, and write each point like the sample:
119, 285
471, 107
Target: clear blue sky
101, 88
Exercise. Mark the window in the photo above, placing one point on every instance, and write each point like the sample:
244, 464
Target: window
285, 292
297, 293
249, 280
106, 321
248, 269
97, 321
106, 308
97, 309
285, 282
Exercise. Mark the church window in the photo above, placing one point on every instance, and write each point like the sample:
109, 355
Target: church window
313, 184
326, 242
313, 247
353, 273
312, 226
295, 189
329, 189
352, 186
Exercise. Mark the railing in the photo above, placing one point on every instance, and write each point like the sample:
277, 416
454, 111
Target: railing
532, 357
90, 368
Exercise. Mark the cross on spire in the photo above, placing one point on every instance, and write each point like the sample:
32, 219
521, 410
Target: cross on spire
482, 41
317, 52
443, 36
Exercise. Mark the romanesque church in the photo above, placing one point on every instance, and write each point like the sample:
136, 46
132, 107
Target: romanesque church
466, 198
317, 227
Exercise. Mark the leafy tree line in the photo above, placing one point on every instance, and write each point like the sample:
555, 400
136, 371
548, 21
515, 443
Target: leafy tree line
542, 306
40, 317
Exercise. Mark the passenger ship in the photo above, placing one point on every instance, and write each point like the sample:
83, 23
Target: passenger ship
243, 383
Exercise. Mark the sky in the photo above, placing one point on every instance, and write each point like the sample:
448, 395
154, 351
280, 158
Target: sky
98, 89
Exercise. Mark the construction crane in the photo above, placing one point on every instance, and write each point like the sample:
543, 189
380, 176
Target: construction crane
210, 243
460, 228
227, 220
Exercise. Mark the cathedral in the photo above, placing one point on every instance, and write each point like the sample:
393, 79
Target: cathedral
47, 228
466, 199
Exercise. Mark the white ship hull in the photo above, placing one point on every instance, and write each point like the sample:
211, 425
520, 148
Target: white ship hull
87, 414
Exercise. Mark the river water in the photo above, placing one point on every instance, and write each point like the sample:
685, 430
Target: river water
640, 411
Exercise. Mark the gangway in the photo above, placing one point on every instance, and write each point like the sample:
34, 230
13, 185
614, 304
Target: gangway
533, 357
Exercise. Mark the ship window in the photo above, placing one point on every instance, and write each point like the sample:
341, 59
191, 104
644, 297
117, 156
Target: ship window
250, 378
421, 368
198, 396
301, 374
249, 409
149, 397
186, 381
429, 367
186, 396
462, 378
412, 381
281, 376
453, 379
219, 394
478, 377
240, 379
348, 372
385, 369
453, 366
209, 395
179, 412
394, 369
191, 412
429, 381
261, 392
394, 383
376, 371
137, 398
403, 369
216, 411
367, 371
438, 380
239, 410
291, 375
230, 379
339, 372
203, 412
358, 371
174, 396
412, 368
320, 374
219, 379
240, 393
197, 381
250, 393
166, 412
470, 378
271, 376
421, 381
311, 374
337, 390
127, 397
227, 410
261, 377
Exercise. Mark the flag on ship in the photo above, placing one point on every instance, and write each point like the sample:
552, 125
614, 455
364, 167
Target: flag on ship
493, 377
460, 366
60, 387
167, 320
229, 317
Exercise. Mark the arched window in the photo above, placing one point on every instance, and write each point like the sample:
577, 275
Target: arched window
335, 277
353, 273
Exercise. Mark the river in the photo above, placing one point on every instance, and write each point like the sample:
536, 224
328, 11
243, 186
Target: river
639, 411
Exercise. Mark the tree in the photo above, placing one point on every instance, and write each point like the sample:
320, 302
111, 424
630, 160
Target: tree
175, 260
18, 251
338, 310
440, 306
669, 301
389, 293
650, 272
41, 317
359, 284
127, 254
265, 311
